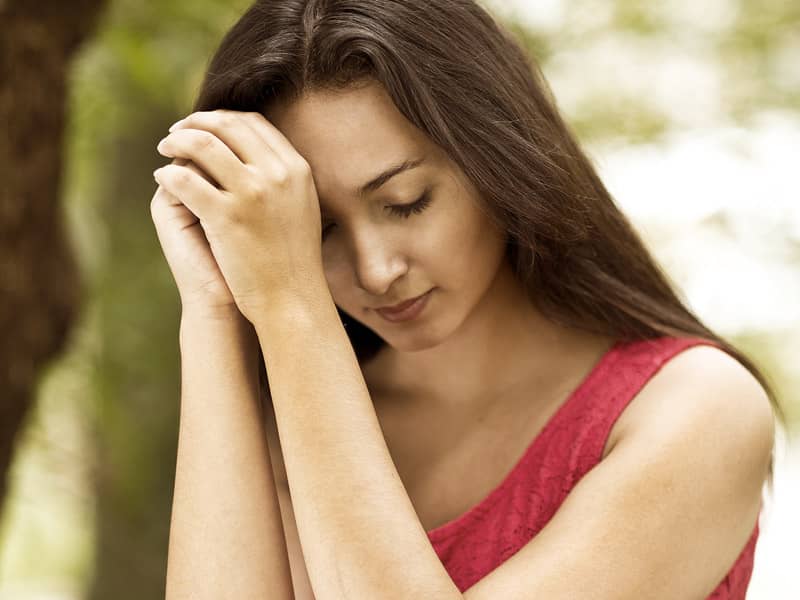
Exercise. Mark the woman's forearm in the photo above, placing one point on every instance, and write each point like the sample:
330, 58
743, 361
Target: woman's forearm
226, 537
360, 534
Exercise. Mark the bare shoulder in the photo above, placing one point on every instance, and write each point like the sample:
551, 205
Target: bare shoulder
675, 500
706, 391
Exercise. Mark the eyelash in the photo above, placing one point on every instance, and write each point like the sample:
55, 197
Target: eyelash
402, 210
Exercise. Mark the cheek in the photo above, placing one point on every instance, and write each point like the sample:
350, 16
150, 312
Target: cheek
475, 252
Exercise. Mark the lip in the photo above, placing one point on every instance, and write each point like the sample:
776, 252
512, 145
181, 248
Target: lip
405, 310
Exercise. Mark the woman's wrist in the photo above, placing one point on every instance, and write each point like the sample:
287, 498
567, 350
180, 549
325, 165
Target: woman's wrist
208, 311
200, 322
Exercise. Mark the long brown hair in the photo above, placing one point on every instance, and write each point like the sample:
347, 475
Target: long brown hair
464, 80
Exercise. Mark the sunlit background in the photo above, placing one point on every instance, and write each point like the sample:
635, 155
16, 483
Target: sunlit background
690, 110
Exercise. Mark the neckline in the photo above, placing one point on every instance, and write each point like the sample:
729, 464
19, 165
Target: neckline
449, 528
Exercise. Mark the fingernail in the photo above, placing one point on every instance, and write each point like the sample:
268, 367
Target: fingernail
155, 174
175, 124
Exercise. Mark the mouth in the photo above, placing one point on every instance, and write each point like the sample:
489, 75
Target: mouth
407, 310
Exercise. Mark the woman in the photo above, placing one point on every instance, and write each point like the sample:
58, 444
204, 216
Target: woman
542, 417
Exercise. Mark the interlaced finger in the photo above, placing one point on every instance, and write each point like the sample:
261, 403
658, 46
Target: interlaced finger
207, 151
193, 189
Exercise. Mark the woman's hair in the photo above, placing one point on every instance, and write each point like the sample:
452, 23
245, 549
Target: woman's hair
465, 81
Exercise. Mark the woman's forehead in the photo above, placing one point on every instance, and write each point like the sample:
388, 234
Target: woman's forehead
350, 137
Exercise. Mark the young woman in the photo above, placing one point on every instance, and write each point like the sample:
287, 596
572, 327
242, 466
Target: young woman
542, 417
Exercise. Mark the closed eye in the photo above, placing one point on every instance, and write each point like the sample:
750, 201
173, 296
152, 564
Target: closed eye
401, 210
420, 204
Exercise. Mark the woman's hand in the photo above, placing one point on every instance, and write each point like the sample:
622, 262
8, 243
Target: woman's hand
258, 206
201, 286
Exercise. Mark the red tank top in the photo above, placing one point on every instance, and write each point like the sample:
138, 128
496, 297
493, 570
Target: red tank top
571, 443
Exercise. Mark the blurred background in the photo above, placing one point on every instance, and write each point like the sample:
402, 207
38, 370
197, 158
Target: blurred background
690, 110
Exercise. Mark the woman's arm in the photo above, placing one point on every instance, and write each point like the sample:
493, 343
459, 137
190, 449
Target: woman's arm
360, 534
226, 538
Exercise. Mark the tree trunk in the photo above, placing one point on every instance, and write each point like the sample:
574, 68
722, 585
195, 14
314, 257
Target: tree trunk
40, 287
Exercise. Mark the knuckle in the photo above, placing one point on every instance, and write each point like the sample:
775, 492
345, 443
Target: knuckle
226, 119
254, 117
279, 175
202, 140
301, 167
182, 177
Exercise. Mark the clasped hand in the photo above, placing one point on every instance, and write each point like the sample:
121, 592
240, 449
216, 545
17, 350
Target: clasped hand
255, 200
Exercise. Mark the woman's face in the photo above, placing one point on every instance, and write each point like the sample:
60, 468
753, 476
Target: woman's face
373, 255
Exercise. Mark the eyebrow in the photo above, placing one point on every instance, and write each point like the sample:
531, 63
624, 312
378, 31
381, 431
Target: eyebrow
381, 179
376, 182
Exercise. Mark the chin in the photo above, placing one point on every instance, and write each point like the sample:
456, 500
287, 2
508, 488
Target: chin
417, 339
417, 344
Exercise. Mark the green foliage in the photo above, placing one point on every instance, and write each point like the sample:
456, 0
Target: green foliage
630, 119
759, 54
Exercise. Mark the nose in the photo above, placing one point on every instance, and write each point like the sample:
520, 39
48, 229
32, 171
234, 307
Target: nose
378, 262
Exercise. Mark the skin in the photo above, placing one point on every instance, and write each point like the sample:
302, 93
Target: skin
344, 484
480, 335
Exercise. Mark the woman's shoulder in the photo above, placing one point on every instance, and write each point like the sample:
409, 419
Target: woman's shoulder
703, 388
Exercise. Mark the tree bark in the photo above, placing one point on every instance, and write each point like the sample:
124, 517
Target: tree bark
40, 285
